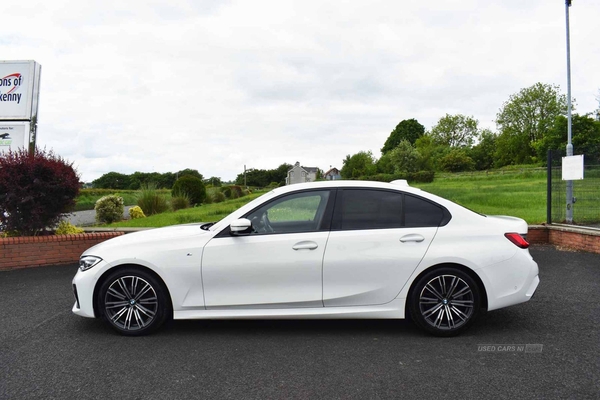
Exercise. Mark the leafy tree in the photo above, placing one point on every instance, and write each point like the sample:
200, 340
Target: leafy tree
455, 130
214, 181
404, 158
263, 177
524, 120
430, 153
112, 180
483, 153
408, 129
359, 164
457, 160
190, 172
586, 137
35, 190
190, 186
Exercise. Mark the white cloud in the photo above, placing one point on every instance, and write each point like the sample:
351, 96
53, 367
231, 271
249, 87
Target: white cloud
162, 86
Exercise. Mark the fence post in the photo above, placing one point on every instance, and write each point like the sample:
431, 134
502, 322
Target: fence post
549, 188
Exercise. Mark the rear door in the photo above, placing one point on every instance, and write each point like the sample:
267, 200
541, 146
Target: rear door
377, 240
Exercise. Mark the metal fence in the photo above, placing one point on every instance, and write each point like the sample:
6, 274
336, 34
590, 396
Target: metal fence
586, 192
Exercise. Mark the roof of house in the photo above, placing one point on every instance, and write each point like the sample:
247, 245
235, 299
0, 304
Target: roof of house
333, 171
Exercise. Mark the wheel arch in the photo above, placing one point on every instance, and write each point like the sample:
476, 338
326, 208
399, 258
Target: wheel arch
98, 310
463, 268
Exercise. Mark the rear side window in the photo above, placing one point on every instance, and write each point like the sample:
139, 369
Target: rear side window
370, 209
359, 209
421, 213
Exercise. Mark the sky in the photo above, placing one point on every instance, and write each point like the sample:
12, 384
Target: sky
160, 86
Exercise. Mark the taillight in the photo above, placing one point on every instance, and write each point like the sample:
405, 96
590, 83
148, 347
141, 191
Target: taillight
517, 239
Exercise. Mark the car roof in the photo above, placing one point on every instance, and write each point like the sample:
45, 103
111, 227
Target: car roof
394, 185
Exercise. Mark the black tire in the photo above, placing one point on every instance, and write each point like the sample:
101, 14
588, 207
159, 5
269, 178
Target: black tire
445, 301
134, 302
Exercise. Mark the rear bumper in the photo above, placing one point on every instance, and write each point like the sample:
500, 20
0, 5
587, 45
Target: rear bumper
510, 282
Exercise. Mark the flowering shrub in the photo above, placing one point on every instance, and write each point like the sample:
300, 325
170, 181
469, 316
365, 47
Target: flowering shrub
109, 209
66, 228
35, 190
136, 212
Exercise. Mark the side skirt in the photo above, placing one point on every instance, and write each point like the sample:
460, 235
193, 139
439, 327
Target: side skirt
391, 310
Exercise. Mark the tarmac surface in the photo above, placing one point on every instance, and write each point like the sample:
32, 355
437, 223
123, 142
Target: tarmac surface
88, 217
546, 348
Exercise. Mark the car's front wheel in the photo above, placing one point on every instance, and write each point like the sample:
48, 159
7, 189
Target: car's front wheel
133, 302
445, 301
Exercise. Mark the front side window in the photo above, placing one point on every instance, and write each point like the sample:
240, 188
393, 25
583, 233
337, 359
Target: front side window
298, 212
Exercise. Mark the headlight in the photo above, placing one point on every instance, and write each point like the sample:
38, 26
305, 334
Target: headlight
88, 262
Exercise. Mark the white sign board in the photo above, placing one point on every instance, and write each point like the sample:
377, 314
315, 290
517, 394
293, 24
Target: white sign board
19, 89
572, 168
14, 136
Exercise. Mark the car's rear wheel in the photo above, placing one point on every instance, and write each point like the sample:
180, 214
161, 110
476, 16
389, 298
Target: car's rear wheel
445, 301
134, 302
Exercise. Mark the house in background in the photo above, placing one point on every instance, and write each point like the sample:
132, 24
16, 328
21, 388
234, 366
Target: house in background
332, 175
299, 174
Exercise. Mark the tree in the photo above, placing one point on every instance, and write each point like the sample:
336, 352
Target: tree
457, 160
586, 137
524, 119
404, 158
191, 187
190, 172
112, 180
430, 153
408, 129
483, 153
35, 190
455, 130
359, 164
214, 181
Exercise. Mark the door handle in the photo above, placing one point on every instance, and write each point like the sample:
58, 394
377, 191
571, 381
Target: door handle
413, 237
307, 245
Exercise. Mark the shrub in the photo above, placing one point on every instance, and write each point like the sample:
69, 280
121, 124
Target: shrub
109, 209
190, 186
456, 161
226, 190
66, 228
35, 190
136, 212
180, 202
217, 196
151, 200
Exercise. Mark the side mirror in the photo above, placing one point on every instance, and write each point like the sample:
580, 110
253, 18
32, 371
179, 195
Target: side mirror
240, 227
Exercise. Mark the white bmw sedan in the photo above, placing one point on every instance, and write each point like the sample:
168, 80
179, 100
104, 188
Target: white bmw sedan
337, 249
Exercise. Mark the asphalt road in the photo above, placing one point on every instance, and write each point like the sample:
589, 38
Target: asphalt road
88, 217
47, 352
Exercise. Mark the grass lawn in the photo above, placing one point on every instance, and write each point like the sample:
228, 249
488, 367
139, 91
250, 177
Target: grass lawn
205, 213
520, 194
517, 193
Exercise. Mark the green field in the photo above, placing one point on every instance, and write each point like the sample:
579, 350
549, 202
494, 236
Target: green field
521, 193
204, 213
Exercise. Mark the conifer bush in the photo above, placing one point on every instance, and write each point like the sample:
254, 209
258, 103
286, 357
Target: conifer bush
109, 209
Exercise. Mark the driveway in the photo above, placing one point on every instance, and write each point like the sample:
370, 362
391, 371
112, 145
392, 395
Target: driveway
88, 217
546, 348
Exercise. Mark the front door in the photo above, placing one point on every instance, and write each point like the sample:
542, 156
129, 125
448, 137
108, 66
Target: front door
279, 265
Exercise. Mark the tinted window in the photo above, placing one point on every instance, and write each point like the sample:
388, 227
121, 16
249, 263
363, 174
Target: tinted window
419, 212
370, 209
